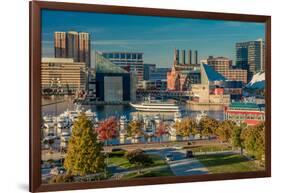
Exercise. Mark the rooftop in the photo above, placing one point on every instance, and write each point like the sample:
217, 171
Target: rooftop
57, 60
212, 75
104, 65
241, 105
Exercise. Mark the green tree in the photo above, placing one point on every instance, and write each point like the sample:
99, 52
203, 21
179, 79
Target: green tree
236, 137
134, 129
207, 126
139, 158
254, 140
186, 127
224, 130
84, 154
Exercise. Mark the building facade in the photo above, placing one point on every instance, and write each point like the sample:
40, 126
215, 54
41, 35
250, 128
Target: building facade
249, 113
62, 75
113, 83
147, 69
250, 56
72, 44
223, 66
129, 61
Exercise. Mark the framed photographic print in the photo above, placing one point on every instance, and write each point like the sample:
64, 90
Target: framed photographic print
125, 96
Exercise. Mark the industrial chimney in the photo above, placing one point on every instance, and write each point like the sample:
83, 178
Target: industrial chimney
189, 57
182, 56
195, 57
176, 56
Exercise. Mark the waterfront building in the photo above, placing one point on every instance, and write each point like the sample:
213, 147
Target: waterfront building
223, 66
62, 75
72, 44
154, 84
114, 84
129, 61
206, 92
92, 85
147, 69
159, 74
244, 112
250, 56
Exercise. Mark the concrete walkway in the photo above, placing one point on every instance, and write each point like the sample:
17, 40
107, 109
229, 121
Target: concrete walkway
186, 167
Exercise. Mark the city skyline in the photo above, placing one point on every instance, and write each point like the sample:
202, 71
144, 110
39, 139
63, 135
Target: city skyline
156, 37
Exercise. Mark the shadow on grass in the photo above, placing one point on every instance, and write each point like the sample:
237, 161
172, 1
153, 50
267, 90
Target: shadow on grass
221, 159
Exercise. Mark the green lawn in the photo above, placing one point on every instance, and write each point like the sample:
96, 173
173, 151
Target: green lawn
219, 163
163, 171
208, 148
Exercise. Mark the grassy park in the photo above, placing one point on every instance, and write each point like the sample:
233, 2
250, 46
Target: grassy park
228, 163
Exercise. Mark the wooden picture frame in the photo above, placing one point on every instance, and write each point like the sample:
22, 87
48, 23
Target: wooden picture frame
35, 94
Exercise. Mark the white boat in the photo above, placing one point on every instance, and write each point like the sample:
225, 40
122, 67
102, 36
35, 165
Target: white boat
156, 106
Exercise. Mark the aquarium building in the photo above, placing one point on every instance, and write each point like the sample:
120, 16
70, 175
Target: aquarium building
113, 83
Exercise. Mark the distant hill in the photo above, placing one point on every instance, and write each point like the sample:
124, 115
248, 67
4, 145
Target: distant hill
257, 82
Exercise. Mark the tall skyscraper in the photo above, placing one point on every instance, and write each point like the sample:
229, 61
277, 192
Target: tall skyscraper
72, 44
250, 56
60, 44
84, 48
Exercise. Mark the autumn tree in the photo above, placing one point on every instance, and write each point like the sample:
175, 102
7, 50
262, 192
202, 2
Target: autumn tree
84, 155
236, 137
207, 126
186, 127
134, 129
224, 130
107, 129
254, 140
161, 130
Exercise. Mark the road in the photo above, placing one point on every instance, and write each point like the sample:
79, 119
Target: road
180, 165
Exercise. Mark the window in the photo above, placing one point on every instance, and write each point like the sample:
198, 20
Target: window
122, 56
116, 55
128, 56
134, 56
139, 56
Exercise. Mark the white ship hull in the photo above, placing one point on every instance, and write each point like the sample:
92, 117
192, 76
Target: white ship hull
156, 107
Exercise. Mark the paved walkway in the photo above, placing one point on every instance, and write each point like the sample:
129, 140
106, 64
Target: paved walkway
186, 167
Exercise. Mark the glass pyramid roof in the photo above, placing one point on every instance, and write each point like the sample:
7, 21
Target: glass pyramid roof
212, 74
104, 65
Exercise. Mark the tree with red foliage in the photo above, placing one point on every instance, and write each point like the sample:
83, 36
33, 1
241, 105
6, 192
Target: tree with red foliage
161, 130
107, 129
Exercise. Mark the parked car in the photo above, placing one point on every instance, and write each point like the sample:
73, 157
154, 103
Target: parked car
189, 154
169, 157
57, 171
117, 149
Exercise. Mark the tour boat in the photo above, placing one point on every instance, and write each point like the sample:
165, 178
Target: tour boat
156, 106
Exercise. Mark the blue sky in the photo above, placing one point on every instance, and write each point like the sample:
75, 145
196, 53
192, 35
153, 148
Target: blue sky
156, 37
